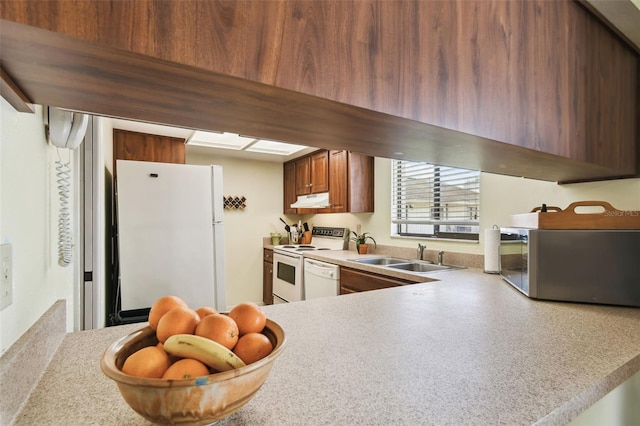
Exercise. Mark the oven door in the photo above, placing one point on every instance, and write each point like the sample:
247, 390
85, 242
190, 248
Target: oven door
287, 277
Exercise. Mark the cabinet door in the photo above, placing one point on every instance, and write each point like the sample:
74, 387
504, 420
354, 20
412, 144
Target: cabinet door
360, 183
146, 147
351, 183
289, 196
303, 176
338, 184
320, 172
352, 280
267, 282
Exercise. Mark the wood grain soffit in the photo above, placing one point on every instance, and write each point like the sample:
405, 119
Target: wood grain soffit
13, 94
67, 72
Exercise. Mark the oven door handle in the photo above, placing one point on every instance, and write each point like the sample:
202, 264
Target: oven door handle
291, 257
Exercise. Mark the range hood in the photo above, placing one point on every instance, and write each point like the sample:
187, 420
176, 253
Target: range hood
312, 201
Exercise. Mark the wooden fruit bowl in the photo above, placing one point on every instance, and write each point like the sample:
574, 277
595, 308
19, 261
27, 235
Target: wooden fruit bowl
195, 401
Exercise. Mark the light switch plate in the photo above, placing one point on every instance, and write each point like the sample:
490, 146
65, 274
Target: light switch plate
6, 276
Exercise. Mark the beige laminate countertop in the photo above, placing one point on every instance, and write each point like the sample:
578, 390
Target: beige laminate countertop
467, 349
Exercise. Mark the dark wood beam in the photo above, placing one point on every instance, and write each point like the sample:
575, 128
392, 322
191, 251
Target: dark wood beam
67, 72
12, 94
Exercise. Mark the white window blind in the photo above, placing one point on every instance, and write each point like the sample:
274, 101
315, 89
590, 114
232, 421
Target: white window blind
432, 200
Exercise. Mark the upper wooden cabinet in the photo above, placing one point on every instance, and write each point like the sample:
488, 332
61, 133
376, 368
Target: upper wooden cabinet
538, 88
137, 146
312, 173
351, 183
289, 187
347, 176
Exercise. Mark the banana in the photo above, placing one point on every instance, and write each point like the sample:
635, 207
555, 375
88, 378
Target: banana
204, 350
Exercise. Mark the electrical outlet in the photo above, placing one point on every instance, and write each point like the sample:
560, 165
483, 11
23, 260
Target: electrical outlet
6, 276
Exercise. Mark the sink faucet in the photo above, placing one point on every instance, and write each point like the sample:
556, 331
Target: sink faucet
440, 256
421, 250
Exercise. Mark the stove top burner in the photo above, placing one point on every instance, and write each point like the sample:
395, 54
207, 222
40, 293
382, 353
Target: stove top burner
326, 238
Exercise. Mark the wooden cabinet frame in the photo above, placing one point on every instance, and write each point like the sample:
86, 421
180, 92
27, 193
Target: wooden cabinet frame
354, 281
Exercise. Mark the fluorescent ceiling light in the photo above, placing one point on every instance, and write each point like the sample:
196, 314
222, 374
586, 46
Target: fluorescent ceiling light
219, 140
242, 143
273, 147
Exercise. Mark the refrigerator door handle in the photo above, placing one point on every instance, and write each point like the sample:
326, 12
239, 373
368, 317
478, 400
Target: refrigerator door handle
217, 198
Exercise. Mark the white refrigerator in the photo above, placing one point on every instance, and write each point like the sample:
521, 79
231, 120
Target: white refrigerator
170, 234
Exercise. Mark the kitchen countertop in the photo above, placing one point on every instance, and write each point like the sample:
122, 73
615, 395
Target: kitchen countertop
345, 257
467, 349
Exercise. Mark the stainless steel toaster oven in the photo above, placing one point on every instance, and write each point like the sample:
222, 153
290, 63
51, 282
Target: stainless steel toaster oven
589, 266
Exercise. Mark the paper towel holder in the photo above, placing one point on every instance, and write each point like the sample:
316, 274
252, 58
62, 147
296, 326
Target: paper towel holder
492, 250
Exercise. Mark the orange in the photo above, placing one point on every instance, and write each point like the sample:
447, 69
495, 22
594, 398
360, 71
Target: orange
178, 320
219, 328
203, 311
161, 307
252, 347
186, 368
149, 362
249, 317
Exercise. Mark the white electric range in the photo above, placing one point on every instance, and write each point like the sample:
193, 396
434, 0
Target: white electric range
288, 261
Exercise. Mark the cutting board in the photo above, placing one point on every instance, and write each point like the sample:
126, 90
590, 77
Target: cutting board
556, 218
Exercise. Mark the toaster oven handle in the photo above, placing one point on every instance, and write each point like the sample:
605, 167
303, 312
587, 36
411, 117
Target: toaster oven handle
546, 208
606, 206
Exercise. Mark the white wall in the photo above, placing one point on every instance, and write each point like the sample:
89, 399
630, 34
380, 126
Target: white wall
28, 216
261, 183
500, 197
28, 221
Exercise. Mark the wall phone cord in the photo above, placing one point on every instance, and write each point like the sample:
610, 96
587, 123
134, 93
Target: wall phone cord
63, 173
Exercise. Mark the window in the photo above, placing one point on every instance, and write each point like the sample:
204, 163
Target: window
434, 201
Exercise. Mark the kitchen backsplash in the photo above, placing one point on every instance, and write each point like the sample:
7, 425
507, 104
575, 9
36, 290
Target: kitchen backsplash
449, 258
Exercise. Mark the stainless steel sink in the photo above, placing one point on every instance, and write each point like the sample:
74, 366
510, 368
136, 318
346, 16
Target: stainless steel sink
381, 261
407, 265
422, 267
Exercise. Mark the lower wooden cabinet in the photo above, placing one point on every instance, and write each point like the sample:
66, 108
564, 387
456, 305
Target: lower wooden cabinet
353, 281
267, 277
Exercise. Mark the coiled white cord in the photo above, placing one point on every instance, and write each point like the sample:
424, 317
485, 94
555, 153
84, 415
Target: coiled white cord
65, 241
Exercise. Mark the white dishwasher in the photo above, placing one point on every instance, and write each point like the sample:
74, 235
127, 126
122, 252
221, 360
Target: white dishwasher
321, 279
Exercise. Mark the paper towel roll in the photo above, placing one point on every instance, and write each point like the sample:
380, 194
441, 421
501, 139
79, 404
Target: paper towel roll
492, 250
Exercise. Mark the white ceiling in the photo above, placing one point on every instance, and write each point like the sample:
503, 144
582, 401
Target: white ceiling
177, 132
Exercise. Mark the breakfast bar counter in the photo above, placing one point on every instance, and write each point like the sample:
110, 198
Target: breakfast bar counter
467, 349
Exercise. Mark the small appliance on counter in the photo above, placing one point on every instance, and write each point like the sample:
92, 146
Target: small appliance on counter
575, 257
